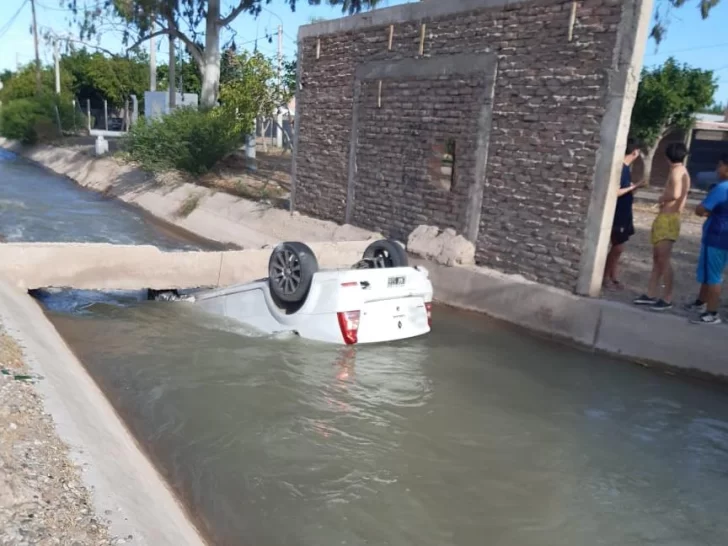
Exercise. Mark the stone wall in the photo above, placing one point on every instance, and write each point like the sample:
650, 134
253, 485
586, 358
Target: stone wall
537, 136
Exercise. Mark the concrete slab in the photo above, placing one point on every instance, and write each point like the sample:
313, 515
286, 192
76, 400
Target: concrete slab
123, 483
668, 340
129, 267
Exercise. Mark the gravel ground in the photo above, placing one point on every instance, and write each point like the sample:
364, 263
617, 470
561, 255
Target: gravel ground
42, 500
636, 262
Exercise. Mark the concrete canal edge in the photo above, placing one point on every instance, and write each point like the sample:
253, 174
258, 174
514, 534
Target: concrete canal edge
124, 484
661, 340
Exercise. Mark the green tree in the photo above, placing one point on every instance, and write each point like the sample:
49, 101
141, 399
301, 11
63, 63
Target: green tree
5, 76
98, 77
182, 19
248, 88
668, 97
22, 84
187, 76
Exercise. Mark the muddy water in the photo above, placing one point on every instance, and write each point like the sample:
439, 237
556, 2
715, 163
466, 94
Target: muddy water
474, 435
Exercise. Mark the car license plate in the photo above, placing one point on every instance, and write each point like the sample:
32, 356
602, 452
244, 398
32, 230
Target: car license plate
395, 281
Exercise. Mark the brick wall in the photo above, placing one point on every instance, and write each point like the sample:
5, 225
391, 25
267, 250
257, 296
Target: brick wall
543, 130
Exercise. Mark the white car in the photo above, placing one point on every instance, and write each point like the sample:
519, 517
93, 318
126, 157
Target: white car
379, 299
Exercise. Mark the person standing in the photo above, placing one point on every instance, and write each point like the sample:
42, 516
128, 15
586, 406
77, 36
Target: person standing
666, 229
713, 248
623, 225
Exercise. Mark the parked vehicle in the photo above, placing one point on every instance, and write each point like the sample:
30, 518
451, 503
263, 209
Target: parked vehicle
379, 299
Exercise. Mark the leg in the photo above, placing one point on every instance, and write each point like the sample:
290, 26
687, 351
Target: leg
610, 269
712, 297
667, 275
711, 264
654, 284
703, 294
616, 254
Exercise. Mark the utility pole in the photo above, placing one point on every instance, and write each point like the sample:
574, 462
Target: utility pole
171, 73
280, 55
152, 62
57, 61
279, 113
38, 86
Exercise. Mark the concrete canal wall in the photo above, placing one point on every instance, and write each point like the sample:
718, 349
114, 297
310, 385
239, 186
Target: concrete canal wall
126, 489
661, 340
129, 267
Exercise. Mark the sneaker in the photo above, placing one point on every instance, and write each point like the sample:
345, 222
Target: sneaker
661, 305
707, 318
644, 300
696, 307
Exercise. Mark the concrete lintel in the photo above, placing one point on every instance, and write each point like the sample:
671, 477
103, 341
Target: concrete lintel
443, 65
623, 80
400, 14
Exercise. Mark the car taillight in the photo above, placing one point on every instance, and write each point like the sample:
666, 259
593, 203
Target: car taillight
349, 324
428, 306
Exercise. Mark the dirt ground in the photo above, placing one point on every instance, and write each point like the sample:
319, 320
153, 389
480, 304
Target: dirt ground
42, 499
636, 262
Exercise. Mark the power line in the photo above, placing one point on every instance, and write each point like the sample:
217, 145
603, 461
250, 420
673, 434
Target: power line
10, 22
724, 44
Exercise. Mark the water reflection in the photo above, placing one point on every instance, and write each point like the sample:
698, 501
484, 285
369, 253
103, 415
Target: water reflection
473, 435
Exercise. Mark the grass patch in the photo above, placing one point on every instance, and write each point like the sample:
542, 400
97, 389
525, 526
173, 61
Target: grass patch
189, 205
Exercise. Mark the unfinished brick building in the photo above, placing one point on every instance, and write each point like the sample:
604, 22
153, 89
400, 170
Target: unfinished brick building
503, 120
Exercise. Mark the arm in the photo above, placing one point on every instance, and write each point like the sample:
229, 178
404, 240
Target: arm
701, 211
630, 188
714, 197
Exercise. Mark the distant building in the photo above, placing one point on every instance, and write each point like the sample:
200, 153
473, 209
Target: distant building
706, 141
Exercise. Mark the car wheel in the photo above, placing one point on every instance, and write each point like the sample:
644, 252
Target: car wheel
290, 271
386, 253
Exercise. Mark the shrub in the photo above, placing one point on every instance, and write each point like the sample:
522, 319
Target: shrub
185, 139
20, 119
31, 120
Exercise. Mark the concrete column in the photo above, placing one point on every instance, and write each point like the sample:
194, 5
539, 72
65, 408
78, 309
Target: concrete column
620, 95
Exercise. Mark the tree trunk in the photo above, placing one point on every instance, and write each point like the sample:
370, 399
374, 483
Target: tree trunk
647, 159
210, 67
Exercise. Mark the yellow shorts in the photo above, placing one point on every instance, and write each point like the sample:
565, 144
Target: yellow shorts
666, 227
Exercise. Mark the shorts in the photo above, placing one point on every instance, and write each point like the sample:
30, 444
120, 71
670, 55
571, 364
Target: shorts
666, 227
621, 233
711, 264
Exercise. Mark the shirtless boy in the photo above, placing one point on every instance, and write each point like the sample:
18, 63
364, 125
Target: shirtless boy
666, 229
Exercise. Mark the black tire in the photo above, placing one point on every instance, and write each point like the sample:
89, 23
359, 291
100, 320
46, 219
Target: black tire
290, 270
387, 252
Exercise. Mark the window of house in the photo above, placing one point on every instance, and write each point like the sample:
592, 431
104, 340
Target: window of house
442, 165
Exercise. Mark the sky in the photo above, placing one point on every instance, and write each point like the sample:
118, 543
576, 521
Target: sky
702, 44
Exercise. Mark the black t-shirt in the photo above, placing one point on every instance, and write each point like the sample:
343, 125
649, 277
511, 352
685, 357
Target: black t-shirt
623, 212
